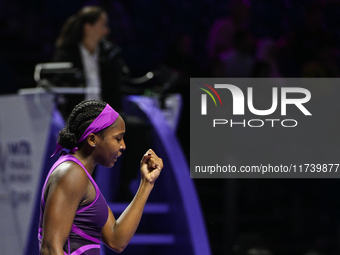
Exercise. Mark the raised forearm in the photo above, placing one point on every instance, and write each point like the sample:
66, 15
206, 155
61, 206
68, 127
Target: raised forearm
117, 234
126, 225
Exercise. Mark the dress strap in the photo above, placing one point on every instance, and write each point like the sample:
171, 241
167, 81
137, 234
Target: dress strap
85, 248
81, 233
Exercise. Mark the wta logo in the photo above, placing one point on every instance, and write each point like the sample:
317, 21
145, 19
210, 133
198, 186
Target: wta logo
204, 97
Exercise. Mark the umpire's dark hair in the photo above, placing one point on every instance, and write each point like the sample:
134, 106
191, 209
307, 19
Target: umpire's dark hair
73, 30
80, 118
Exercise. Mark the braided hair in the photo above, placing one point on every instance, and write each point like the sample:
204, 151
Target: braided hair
80, 118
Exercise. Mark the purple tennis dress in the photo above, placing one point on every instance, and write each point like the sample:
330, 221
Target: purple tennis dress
85, 236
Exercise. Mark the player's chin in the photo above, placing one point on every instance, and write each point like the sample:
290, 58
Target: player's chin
112, 163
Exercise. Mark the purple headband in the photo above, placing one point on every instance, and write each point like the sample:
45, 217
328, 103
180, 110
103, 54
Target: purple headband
105, 119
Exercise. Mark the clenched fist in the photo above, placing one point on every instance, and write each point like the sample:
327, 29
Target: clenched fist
151, 166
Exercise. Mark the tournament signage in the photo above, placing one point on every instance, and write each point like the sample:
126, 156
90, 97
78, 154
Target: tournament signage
24, 127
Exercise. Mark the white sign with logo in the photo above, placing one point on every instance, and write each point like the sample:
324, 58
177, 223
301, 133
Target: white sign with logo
24, 128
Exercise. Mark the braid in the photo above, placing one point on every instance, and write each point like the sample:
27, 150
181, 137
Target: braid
80, 118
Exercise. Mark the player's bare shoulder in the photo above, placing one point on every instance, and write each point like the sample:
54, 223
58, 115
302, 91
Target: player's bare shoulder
69, 176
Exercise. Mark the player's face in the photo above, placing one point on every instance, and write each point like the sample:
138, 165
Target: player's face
111, 145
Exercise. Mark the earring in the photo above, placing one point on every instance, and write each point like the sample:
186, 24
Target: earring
93, 145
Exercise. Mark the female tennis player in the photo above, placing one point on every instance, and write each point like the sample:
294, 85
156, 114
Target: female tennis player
74, 216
